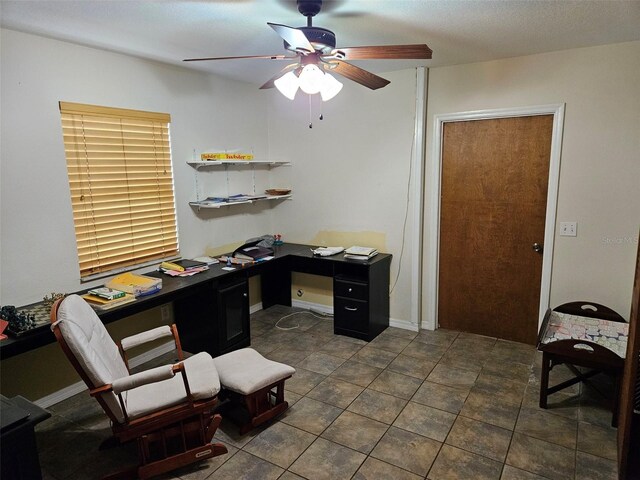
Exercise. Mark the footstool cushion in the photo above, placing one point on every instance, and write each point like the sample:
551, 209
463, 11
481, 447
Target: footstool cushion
255, 383
245, 371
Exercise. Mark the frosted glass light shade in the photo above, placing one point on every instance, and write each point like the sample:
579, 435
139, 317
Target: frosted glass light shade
311, 79
288, 85
330, 87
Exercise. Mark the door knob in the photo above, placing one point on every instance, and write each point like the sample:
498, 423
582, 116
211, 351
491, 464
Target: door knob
537, 247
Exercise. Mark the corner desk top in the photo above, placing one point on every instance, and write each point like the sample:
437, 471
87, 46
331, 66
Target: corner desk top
174, 288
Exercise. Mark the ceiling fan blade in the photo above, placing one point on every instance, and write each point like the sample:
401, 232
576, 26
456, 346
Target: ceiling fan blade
268, 57
294, 37
269, 83
359, 75
400, 52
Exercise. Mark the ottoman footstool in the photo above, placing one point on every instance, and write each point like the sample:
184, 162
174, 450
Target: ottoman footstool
250, 379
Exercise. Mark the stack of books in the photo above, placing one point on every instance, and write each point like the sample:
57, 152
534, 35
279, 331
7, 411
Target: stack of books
105, 298
135, 284
183, 268
360, 253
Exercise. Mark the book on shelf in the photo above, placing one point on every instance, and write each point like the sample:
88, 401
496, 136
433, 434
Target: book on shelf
107, 293
243, 197
225, 156
101, 304
136, 284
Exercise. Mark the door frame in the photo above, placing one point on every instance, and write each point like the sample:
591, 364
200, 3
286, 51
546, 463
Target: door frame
430, 321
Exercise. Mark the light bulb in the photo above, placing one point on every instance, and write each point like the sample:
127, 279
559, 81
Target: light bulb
330, 87
288, 85
311, 79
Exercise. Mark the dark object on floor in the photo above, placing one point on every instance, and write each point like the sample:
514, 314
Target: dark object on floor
579, 352
168, 410
19, 451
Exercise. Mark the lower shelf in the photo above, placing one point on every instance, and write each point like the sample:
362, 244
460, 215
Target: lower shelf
211, 204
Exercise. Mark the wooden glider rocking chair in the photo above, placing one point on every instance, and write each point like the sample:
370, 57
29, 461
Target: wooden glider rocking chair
168, 410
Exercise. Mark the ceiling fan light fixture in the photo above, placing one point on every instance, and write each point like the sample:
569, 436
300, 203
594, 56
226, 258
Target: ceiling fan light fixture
330, 87
311, 79
288, 85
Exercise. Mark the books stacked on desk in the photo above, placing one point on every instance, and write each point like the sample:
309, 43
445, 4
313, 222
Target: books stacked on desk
183, 268
135, 284
360, 253
105, 298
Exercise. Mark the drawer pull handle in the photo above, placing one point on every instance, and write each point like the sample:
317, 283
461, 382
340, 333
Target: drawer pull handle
351, 309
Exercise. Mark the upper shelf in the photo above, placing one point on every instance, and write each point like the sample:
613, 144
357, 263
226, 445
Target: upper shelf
197, 164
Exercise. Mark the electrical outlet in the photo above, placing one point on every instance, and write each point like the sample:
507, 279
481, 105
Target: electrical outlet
568, 229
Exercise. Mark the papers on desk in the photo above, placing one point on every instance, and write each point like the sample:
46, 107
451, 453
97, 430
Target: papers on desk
360, 253
183, 268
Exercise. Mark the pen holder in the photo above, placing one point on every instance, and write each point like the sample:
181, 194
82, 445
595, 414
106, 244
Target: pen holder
277, 240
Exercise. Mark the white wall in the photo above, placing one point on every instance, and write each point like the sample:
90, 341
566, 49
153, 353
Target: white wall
350, 172
600, 163
38, 253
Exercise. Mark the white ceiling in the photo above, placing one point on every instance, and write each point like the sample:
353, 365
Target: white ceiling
458, 31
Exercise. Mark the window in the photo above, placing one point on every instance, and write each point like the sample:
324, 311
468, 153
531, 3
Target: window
121, 182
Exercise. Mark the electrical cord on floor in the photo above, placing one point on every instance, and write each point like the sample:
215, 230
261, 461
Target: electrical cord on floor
309, 312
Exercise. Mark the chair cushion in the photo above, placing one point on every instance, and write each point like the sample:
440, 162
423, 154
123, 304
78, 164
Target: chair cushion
92, 346
245, 371
203, 379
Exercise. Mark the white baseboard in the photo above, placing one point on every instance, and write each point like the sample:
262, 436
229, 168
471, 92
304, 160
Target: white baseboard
405, 324
312, 306
255, 308
426, 326
78, 387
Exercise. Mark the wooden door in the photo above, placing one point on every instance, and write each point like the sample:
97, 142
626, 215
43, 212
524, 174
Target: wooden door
493, 206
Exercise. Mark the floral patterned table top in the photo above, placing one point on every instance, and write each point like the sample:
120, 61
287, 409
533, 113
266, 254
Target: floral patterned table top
611, 335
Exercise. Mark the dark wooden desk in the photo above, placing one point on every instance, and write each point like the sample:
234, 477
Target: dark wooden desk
361, 300
18, 449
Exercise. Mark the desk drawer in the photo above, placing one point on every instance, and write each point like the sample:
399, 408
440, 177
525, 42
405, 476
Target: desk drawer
351, 314
351, 289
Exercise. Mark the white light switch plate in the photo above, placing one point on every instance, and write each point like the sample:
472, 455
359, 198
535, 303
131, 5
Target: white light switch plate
568, 229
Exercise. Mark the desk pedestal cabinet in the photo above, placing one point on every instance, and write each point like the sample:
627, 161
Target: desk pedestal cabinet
216, 318
361, 301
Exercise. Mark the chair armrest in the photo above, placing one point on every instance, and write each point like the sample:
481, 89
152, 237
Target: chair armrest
146, 337
143, 378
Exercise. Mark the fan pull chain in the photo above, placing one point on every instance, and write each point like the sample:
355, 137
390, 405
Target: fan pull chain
321, 117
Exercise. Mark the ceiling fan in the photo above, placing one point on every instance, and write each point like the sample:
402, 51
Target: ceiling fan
316, 56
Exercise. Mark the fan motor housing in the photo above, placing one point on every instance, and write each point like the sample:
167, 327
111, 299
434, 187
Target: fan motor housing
322, 39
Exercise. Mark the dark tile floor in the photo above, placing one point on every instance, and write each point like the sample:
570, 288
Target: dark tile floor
435, 405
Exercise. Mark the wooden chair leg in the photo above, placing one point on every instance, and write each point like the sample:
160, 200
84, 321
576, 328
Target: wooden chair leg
617, 379
544, 380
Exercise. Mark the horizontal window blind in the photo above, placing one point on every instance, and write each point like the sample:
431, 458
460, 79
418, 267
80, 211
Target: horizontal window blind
121, 182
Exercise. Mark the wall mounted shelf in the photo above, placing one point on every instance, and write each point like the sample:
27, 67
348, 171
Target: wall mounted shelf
233, 171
